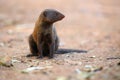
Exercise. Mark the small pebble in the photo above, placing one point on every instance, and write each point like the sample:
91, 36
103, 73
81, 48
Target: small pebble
88, 66
6, 61
98, 69
10, 31
61, 78
2, 44
67, 55
77, 71
62, 44
92, 56
15, 61
30, 69
118, 64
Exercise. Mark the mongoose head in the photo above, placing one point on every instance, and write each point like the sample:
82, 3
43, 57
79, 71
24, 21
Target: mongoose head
52, 16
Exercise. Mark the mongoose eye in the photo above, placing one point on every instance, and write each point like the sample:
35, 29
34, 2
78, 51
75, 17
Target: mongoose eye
56, 14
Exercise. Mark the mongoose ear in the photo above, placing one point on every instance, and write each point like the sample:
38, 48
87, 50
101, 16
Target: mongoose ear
45, 14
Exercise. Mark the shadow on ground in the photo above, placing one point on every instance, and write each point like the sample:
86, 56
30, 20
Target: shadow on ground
65, 51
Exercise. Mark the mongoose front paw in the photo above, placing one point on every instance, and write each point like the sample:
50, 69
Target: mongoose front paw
51, 56
40, 56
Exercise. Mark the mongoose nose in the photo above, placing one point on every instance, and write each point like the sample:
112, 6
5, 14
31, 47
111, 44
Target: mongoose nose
62, 16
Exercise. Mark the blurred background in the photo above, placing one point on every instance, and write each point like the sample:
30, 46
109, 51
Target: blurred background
92, 26
78, 12
82, 16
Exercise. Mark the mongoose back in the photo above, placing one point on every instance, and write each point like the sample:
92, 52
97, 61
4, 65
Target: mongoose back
44, 40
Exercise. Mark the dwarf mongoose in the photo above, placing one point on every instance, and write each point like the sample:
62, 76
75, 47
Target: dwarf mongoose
44, 40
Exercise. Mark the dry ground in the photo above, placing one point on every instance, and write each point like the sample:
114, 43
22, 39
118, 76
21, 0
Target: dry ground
89, 40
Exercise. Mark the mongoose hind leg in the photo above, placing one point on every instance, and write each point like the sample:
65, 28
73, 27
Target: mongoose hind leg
56, 43
51, 50
33, 46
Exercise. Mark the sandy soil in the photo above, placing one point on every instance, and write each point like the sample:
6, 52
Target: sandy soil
89, 40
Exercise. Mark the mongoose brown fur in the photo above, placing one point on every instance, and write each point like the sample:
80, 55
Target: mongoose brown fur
44, 40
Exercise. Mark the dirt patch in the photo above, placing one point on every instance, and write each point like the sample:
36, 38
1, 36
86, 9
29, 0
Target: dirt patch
89, 41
